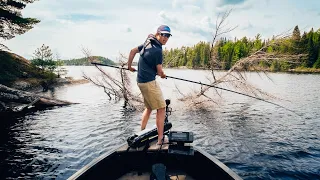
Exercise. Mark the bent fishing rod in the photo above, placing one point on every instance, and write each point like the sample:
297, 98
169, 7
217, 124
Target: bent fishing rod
209, 85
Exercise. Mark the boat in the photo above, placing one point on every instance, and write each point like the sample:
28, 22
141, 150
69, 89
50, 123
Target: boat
141, 158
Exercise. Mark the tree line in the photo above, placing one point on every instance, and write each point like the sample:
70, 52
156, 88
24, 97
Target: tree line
85, 62
227, 52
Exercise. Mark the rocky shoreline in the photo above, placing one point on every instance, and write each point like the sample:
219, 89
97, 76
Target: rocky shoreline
24, 96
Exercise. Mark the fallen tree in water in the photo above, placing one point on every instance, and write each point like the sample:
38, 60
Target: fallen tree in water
15, 101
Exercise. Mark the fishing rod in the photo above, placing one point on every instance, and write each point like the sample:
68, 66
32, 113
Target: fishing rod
100, 64
209, 85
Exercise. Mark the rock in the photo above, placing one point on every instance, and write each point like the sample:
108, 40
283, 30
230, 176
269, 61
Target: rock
27, 100
22, 85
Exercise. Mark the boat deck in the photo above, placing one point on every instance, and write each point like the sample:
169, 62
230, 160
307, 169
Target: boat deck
153, 147
135, 175
146, 176
126, 163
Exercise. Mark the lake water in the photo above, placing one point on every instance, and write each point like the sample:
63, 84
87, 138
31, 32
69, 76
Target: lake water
255, 139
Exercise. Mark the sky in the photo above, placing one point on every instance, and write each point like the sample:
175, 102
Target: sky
110, 28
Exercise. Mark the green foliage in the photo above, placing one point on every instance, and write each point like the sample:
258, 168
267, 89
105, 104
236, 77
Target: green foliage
317, 63
44, 59
228, 52
10, 68
311, 50
11, 20
85, 62
275, 66
296, 34
15, 67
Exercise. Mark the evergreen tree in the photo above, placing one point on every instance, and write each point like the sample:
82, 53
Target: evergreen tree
317, 63
44, 58
257, 42
312, 55
227, 52
296, 46
11, 20
304, 42
296, 34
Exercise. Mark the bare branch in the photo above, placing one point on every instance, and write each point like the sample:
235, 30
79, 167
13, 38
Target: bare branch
4, 47
115, 86
235, 76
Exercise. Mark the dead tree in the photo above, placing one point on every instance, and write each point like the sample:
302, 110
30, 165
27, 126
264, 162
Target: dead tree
235, 77
116, 87
15, 101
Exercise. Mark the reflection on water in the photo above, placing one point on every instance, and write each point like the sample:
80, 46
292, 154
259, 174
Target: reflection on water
255, 139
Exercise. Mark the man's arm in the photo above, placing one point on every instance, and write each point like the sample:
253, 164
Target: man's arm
133, 53
160, 71
159, 61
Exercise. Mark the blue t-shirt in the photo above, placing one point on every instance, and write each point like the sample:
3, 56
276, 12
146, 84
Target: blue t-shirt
150, 57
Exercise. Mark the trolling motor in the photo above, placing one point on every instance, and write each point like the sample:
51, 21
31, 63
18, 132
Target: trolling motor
143, 137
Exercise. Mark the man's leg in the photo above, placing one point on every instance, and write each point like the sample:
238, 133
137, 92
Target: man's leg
160, 123
145, 118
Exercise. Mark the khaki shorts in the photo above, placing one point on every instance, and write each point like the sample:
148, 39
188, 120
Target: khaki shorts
152, 95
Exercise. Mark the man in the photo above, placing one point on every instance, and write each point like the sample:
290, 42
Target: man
150, 65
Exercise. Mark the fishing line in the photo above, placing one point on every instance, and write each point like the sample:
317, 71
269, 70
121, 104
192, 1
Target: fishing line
217, 87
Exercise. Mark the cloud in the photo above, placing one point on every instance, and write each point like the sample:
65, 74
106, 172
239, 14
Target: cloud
268, 16
192, 8
81, 17
168, 19
242, 5
177, 3
110, 27
202, 26
231, 2
249, 26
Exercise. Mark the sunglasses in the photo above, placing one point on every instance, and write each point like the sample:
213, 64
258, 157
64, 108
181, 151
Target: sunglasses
165, 35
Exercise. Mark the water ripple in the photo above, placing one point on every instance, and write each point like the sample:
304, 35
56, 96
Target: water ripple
256, 140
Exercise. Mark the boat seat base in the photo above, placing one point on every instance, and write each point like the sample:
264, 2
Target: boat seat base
181, 150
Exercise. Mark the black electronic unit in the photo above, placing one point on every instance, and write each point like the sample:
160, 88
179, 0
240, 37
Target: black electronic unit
180, 137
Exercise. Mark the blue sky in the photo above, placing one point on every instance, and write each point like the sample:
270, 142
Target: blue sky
108, 28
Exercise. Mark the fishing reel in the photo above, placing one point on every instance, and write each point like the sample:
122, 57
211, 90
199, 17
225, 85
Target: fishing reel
168, 109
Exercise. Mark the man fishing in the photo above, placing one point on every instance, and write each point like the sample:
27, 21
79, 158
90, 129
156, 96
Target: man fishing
150, 65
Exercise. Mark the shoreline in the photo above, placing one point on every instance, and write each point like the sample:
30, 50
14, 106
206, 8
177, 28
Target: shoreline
291, 71
294, 71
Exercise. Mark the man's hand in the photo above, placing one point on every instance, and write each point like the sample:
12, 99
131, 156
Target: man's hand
163, 76
132, 69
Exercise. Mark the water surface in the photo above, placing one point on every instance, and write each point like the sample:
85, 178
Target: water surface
255, 139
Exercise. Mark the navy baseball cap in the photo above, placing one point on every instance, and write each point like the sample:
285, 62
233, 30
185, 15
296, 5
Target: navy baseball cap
164, 29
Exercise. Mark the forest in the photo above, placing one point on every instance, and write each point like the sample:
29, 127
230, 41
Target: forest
227, 52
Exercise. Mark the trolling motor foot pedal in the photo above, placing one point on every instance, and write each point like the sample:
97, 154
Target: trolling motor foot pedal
181, 150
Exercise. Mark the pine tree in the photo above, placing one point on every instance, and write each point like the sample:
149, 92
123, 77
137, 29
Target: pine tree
44, 58
311, 50
296, 37
304, 42
11, 20
296, 34
317, 63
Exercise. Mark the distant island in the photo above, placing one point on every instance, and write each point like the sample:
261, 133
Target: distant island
85, 62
